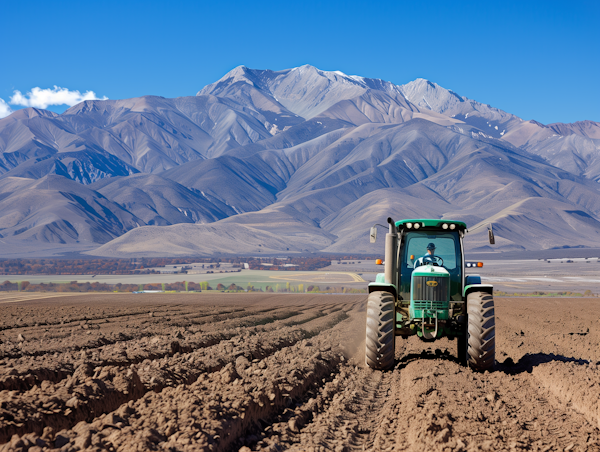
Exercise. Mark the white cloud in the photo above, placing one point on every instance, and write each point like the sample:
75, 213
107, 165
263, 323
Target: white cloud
4, 109
42, 98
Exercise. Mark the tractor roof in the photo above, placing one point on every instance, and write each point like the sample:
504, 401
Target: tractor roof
432, 223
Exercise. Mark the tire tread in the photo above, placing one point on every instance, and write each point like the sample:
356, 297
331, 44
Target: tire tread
380, 334
481, 346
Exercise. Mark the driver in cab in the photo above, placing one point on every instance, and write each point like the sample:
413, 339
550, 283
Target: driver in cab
429, 258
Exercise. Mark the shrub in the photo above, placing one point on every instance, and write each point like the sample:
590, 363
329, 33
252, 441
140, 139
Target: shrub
193, 286
7, 285
178, 286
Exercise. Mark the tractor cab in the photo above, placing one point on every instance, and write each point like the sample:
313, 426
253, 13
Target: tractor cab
448, 255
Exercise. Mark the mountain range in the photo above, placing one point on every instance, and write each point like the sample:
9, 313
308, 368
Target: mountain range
292, 161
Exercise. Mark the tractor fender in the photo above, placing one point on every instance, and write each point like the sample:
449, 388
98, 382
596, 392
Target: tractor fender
383, 287
472, 279
487, 288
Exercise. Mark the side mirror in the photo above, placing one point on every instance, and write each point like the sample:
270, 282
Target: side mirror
491, 235
373, 235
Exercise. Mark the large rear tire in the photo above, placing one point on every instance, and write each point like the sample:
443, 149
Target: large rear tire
381, 331
481, 329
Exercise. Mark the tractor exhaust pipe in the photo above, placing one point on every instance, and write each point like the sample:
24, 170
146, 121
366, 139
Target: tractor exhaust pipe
391, 245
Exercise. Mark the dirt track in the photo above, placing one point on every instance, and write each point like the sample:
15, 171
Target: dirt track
272, 372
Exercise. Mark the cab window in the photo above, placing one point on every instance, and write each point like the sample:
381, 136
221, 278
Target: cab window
445, 247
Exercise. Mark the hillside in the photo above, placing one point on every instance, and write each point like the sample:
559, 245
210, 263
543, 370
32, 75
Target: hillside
299, 160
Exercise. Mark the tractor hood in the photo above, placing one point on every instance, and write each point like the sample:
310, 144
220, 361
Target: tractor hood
431, 270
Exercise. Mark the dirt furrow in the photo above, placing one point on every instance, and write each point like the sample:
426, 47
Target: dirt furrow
444, 405
285, 372
575, 386
84, 395
23, 412
343, 415
210, 414
73, 317
102, 332
567, 327
21, 374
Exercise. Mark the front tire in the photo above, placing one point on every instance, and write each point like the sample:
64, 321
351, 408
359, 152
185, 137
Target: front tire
481, 331
381, 331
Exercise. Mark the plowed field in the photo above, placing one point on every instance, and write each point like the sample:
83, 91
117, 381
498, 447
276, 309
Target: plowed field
285, 372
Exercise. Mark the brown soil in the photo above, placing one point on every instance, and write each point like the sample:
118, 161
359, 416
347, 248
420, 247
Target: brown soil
285, 372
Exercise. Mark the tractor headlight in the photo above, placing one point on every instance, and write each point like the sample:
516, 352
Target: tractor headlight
452, 226
444, 226
409, 225
417, 225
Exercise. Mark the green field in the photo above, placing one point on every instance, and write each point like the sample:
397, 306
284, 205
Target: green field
259, 279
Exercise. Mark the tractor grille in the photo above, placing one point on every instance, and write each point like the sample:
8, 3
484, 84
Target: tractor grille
435, 305
437, 291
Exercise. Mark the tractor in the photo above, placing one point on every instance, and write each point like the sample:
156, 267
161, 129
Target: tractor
431, 296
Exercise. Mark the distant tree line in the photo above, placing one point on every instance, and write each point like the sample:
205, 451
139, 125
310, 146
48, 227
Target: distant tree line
94, 266
180, 286
74, 286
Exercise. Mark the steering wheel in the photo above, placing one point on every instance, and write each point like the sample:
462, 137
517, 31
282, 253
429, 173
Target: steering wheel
437, 261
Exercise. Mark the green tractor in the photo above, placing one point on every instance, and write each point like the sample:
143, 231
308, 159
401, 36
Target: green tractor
429, 296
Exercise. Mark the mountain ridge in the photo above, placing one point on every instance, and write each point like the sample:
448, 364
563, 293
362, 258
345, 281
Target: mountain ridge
319, 154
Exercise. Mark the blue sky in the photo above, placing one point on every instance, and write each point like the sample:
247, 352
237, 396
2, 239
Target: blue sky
537, 59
